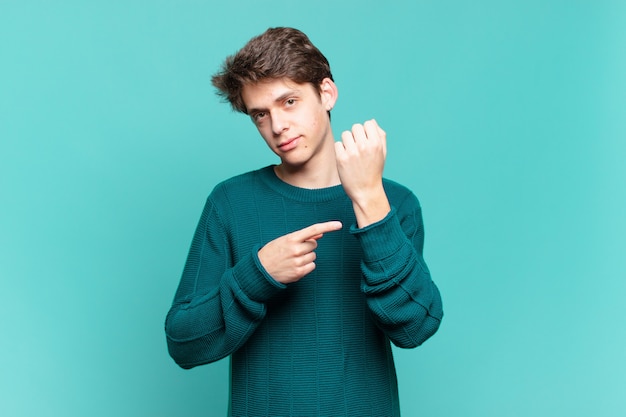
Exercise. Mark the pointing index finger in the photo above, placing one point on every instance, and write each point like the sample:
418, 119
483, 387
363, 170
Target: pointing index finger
316, 230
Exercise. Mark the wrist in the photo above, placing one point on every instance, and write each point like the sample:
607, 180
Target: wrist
371, 208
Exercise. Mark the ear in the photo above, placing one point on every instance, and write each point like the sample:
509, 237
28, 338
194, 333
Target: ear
328, 93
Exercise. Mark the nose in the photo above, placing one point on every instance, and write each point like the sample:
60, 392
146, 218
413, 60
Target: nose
279, 123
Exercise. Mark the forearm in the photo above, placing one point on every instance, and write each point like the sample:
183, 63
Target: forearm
211, 323
397, 284
198, 332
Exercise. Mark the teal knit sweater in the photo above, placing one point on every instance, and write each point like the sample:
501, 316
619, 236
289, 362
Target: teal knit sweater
320, 346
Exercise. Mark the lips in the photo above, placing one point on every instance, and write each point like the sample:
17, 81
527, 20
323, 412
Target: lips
289, 144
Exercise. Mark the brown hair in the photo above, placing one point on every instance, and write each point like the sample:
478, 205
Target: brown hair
277, 53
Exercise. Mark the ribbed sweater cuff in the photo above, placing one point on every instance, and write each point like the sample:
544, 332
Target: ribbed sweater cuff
381, 239
254, 280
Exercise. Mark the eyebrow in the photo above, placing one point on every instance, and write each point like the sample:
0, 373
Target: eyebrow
278, 99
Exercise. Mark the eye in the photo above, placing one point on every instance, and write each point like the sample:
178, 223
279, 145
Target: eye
258, 116
290, 102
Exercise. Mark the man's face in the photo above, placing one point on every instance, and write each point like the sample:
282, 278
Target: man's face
292, 118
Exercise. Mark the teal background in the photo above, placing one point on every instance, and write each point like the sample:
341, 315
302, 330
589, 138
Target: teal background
507, 119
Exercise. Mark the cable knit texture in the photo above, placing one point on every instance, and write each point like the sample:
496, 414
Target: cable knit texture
320, 346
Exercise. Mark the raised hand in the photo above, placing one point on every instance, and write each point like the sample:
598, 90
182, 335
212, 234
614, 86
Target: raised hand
290, 257
360, 161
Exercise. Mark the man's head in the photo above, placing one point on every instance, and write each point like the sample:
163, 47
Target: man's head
278, 53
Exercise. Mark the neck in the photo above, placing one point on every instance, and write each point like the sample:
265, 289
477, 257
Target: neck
309, 180
319, 172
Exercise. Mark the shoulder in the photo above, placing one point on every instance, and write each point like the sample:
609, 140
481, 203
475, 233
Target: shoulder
241, 183
233, 195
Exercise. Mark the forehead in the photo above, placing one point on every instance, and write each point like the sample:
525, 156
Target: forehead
267, 92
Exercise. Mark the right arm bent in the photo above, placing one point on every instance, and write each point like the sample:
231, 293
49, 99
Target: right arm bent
218, 305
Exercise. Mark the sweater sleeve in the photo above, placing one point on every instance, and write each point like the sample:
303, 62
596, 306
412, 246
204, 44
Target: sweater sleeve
217, 305
403, 299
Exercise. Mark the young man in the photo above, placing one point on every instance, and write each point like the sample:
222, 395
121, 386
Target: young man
303, 272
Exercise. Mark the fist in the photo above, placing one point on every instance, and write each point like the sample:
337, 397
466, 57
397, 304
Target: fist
361, 158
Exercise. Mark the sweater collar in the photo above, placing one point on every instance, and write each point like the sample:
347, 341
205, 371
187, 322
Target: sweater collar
269, 178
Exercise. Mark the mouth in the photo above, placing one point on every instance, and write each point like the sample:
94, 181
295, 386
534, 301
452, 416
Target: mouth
289, 144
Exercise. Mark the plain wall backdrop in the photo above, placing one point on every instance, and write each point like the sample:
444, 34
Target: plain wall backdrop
506, 118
